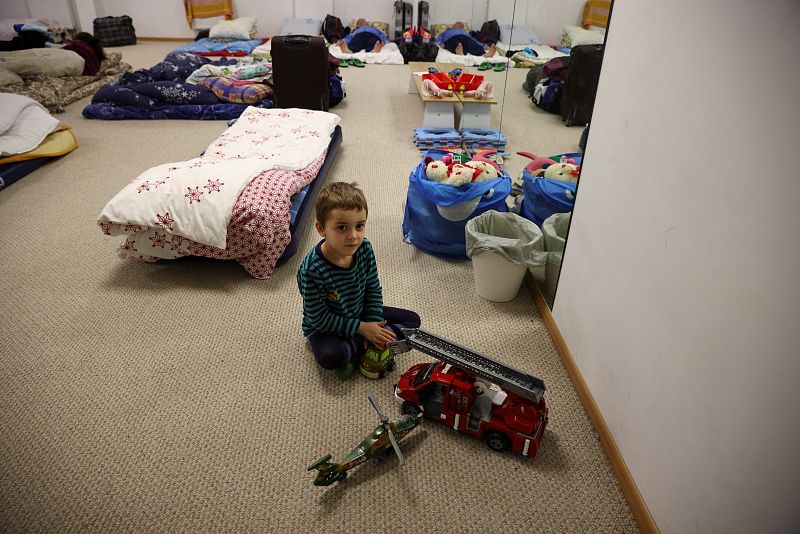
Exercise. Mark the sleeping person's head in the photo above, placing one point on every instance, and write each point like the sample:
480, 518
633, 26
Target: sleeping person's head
93, 42
459, 25
361, 22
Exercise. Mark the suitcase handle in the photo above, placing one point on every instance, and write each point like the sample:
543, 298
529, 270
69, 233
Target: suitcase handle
295, 40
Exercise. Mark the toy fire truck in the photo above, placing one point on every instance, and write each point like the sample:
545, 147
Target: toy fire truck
472, 393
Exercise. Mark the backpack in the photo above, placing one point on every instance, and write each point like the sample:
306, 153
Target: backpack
333, 30
547, 95
532, 79
556, 69
490, 32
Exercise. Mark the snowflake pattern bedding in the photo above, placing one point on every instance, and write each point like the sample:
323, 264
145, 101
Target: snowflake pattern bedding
160, 92
231, 203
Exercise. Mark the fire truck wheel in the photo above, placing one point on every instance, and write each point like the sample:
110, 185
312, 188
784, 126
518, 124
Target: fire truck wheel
409, 408
497, 441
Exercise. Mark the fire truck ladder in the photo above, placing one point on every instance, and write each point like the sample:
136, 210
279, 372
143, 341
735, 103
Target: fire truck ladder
510, 379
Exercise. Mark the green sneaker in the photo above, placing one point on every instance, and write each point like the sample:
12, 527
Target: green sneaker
344, 372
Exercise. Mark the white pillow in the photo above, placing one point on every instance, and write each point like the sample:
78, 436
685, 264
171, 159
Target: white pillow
9, 77
578, 36
518, 35
243, 29
312, 27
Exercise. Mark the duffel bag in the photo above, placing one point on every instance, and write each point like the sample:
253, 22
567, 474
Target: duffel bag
115, 31
436, 214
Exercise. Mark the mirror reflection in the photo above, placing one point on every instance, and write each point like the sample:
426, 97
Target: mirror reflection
512, 81
555, 50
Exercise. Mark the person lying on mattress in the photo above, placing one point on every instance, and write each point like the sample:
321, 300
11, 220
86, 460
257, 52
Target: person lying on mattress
458, 41
343, 307
364, 37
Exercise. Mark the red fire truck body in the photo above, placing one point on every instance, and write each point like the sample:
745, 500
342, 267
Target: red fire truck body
473, 403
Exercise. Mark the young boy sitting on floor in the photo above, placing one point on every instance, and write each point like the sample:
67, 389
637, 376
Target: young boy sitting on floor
364, 37
343, 307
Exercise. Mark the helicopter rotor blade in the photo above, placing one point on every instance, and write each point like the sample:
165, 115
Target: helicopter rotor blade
374, 402
399, 454
386, 426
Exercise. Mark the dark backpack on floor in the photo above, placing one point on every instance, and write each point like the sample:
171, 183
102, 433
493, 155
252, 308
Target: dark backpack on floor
333, 30
556, 69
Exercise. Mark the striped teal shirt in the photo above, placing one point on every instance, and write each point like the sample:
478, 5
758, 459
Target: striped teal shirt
335, 299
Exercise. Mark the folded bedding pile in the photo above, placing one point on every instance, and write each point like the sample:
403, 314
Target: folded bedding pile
232, 202
29, 137
185, 86
533, 55
53, 76
237, 37
221, 47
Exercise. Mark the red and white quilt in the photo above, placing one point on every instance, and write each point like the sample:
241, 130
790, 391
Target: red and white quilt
231, 203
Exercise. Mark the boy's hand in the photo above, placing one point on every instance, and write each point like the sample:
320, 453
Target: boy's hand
376, 334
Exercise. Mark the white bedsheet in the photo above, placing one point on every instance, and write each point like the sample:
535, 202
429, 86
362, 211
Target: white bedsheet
195, 198
468, 60
389, 55
24, 123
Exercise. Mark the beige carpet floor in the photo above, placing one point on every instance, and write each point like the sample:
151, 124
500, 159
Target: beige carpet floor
181, 396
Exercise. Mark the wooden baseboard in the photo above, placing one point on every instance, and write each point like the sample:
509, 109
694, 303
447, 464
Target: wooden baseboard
167, 39
626, 482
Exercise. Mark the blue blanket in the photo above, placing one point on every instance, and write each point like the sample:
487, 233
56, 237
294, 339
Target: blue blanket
208, 46
160, 92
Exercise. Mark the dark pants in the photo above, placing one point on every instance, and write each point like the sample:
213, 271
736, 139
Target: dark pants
333, 352
471, 46
363, 41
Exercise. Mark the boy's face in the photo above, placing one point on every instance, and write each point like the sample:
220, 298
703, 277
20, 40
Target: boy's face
344, 230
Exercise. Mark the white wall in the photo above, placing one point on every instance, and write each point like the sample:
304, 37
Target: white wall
548, 17
679, 292
14, 9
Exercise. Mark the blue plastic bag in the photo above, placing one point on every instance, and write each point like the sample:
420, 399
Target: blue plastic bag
542, 197
436, 214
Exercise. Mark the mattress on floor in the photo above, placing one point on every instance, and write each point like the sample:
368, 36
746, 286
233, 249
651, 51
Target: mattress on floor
11, 172
267, 211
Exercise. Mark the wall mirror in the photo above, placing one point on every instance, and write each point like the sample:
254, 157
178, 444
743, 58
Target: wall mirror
544, 71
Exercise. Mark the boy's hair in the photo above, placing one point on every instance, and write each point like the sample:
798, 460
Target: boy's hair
339, 195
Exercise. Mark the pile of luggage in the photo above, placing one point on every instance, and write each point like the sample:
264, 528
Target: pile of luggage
567, 86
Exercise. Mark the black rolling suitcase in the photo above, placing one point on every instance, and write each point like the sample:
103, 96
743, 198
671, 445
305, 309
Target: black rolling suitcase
300, 72
423, 10
398, 20
580, 85
408, 14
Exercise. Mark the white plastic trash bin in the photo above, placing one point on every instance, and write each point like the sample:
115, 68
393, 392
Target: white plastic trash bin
554, 229
496, 278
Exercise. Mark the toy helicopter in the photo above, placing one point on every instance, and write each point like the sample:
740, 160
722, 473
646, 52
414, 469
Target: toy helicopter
378, 444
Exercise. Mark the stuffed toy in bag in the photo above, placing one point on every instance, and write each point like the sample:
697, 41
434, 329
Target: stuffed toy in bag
447, 171
565, 172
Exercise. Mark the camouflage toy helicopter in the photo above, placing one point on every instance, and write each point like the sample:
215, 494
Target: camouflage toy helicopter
378, 444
